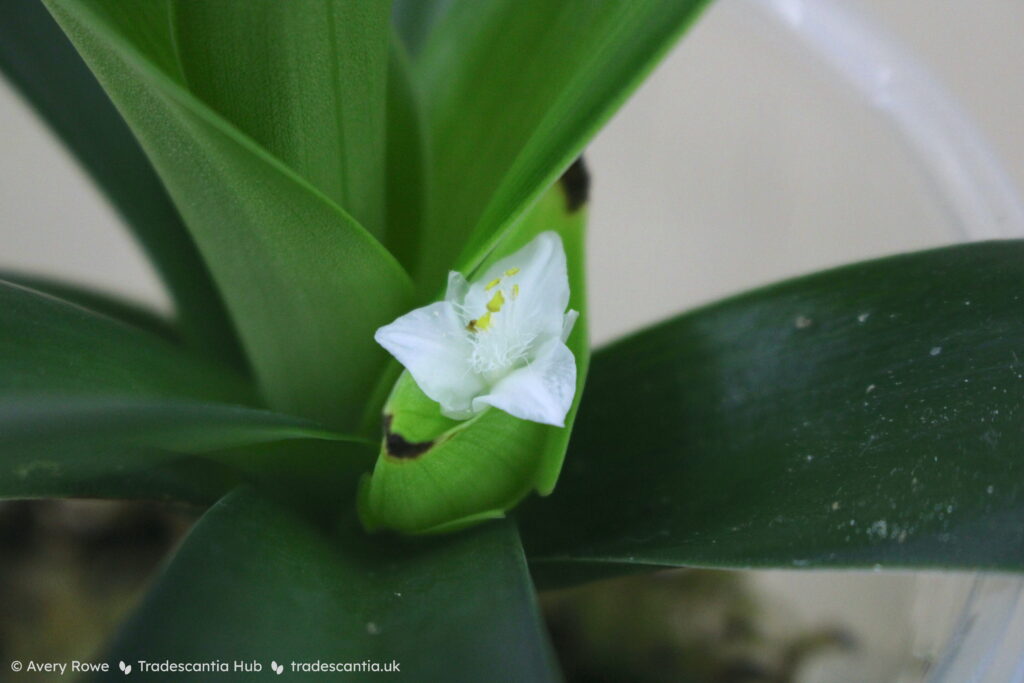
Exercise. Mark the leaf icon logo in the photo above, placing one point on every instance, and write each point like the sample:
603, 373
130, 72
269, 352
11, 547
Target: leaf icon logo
278, 668
125, 668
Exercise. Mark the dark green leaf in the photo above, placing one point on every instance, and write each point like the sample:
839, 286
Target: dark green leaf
415, 19
408, 187
514, 89
50, 347
98, 302
305, 79
139, 447
93, 407
305, 284
255, 582
870, 415
43, 66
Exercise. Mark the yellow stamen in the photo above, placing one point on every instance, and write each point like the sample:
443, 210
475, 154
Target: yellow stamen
496, 302
492, 284
511, 271
483, 322
515, 291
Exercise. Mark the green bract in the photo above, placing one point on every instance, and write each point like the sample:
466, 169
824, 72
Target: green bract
436, 474
302, 173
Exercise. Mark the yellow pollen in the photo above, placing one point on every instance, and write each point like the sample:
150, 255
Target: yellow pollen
511, 271
496, 302
483, 322
515, 291
492, 284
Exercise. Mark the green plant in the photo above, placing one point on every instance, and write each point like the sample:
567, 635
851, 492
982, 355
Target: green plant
305, 173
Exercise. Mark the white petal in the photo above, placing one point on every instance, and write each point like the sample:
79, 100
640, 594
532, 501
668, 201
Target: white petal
457, 288
568, 322
541, 391
543, 280
432, 345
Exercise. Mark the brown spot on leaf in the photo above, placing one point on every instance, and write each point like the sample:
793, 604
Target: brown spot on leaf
576, 183
397, 446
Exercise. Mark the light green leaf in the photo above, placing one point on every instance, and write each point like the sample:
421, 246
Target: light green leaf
305, 79
253, 581
41, 63
867, 416
515, 88
438, 475
305, 284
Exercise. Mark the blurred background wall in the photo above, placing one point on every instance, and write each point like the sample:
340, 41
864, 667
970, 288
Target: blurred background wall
741, 161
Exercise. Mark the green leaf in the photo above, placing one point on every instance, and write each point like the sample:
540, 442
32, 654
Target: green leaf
93, 407
139, 447
99, 302
408, 182
871, 415
305, 79
41, 63
470, 471
253, 581
415, 19
304, 282
51, 347
515, 89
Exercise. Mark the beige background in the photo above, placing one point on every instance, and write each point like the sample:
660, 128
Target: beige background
739, 162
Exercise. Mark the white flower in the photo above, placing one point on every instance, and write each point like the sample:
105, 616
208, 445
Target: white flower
498, 341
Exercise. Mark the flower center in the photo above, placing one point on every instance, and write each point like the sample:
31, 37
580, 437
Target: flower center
499, 343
